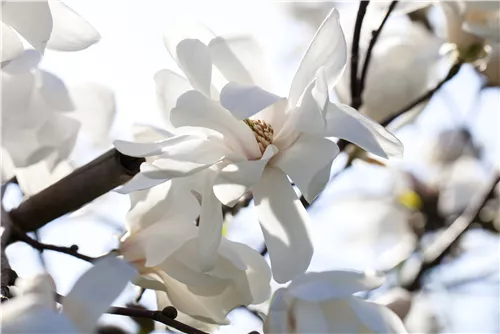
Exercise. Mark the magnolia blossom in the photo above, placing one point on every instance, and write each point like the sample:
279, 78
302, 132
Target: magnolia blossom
389, 88
42, 116
43, 24
252, 140
162, 243
323, 303
34, 310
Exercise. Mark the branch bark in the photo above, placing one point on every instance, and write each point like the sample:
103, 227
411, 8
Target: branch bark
96, 178
355, 88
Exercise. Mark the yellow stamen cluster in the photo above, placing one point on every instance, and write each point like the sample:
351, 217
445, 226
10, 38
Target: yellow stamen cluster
262, 131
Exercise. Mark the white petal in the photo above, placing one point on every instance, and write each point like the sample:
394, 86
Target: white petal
257, 271
210, 227
181, 28
95, 109
95, 290
309, 317
328, 48
139, 182
194, 60
70, 31
169, 200
12, 47
149, 149
169, 86
335, 284
277, 318
347, 123
244, 101
194, 109
304, 159
54, 91
240, 59
27, 61
24, 315
376, 317
283, 221
32, 19
235, 179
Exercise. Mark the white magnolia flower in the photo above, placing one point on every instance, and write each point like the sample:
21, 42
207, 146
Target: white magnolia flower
389, 87
43, 24
323, 303
41, 117
162, 243
253, 139
34, 310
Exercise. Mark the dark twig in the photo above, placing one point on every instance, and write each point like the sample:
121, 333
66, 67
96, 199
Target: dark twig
355, 92
101, 175
453, 71
435, 253
373, 41
73, 250
8, 276
166, 316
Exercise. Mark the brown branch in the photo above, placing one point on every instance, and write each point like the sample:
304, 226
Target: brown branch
8, 276
436, 252
85, 184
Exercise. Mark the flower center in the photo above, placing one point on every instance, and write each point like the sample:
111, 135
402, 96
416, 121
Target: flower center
262, 131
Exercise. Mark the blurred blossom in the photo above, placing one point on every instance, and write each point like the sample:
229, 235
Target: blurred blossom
34, 310
43, 24
253, 139
162, 244
450, 145
389, 87
323, 303
41, 119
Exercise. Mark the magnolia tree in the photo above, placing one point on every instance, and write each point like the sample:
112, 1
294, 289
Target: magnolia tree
230, 145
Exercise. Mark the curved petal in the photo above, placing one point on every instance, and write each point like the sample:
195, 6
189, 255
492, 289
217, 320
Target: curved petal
12, 47
377, 318
244, 101
235, 179
70, 31
304, 159
95, 290
169, 86
257, 271
139, 182
194, 109
24, 315
210, 227
283, 221
240, 59
32, 19
347, 123
95, 108
180, 29
194, 59
150, 149
329, 49
277, 318
334, 284
309, 317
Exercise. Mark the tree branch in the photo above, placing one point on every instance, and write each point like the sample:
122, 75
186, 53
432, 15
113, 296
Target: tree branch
40, 246
373, 41
436, 252
355, 89
85, 184
8, 276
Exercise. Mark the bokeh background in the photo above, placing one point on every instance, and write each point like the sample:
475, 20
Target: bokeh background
368, 217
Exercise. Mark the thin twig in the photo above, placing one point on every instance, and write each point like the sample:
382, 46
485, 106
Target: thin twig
82, 186
355, 92
373, 41
436, 252
73, 250
453, 71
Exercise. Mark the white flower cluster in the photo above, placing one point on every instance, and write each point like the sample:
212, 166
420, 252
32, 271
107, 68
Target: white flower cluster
228, 136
